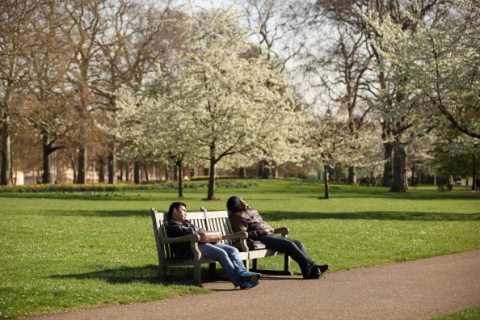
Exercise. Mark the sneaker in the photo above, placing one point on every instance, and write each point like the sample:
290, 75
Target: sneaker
248, 284
248, 276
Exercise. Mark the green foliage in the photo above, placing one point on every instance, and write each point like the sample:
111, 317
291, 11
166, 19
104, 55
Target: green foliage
112, 188
448, 161
79, 250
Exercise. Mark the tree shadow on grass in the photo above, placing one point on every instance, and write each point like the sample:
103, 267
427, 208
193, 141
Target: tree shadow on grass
102, 213
282, 215
410, 195
123, 275
381, 215
99, 196
146, 274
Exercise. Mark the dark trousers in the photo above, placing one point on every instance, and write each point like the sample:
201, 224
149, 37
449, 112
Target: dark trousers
294, 248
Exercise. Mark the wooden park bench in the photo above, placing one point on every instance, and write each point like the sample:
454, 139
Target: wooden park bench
215, 220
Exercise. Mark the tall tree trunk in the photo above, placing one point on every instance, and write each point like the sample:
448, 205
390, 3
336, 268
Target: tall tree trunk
175, 172
474, 173
386, 134
121, 171
352, 175
211, 180
387, 155
166, 173
387, 166
136, 172
242, 173
180, 180
82, 166
145, 170
414, 171
48, 149
46, 177
266, 174
101, 170
6, 173
112, 166
74, 168
399, 181
325, 180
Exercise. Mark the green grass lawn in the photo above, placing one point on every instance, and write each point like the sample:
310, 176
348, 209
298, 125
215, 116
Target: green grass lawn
467, 314
71, 251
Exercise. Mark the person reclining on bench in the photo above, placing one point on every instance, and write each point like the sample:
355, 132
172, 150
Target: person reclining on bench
244, 218
226, 255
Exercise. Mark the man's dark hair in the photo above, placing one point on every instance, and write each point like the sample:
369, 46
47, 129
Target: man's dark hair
231, 203
173, 206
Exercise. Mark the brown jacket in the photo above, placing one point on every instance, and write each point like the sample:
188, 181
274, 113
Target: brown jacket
250, 221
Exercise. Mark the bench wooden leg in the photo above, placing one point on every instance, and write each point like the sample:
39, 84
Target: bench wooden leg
246, 264
162, 272
197, 274
286, 267
212, 269
286, 264
255, 264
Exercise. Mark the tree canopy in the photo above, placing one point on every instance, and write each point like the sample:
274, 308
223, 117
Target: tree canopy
216, 100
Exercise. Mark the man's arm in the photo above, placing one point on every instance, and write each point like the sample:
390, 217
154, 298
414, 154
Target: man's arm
176, 229
240, 224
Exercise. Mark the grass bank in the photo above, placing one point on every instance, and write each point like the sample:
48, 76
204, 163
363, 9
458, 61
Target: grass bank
71, 251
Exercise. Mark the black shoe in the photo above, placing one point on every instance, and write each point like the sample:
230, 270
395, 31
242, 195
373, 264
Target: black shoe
317, 275
316, 272
323, 268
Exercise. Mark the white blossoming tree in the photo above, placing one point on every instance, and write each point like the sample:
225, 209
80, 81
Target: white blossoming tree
151, 129
214, 101
331, 142
437, 66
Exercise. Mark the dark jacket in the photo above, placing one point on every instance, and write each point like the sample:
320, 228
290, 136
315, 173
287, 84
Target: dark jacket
250, 221
176, 228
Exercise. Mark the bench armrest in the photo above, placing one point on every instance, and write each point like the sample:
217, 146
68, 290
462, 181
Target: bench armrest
283, 231
187, 238
236, 235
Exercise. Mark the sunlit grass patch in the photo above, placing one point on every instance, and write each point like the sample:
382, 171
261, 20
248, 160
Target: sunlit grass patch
71, 251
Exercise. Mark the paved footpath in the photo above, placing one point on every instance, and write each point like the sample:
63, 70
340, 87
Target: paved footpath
408, 290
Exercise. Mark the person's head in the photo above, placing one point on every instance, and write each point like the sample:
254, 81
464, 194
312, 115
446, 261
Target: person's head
178, 211
235, 203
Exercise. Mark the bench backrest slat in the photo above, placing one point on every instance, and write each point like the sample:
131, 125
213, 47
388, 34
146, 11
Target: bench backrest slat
159, 227
207, 220
161, 221
218, 220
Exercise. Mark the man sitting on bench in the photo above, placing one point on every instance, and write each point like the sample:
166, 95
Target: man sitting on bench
247, 219
226, 255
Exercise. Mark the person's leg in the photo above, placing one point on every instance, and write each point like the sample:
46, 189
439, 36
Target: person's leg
243, 275
294, 248
234, 257
215, 252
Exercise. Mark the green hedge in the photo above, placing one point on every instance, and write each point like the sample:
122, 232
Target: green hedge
71, 188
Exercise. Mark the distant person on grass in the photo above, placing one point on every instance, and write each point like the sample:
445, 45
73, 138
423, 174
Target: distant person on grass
244, 218
226, 255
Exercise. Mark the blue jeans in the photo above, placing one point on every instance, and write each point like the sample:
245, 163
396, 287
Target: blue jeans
228, 258
294, 248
